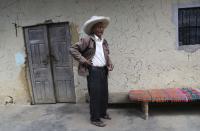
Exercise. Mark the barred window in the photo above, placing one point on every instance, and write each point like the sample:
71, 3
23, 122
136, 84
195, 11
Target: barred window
189, 26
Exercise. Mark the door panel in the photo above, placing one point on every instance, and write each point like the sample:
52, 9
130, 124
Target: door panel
59, 39
39, 64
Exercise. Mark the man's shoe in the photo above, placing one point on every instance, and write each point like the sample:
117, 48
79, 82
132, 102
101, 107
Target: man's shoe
107, 117
98, 123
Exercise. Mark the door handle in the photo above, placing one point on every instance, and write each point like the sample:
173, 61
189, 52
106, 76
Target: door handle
54, 58
46, 61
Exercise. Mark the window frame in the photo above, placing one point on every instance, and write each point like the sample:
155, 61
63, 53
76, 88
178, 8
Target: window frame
187, 48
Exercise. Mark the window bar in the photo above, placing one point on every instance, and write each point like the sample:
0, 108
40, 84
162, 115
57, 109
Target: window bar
189, 28
196, 13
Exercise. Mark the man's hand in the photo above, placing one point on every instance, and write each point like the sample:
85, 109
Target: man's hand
110, 67
87, 63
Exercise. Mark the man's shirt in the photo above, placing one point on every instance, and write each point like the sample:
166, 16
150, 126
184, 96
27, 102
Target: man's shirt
99, 58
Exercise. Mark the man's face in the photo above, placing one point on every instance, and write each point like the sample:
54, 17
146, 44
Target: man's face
98, 29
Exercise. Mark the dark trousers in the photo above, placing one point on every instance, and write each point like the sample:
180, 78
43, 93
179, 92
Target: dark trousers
98, 91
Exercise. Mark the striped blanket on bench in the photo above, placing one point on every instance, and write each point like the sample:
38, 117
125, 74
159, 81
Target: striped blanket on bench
164, 95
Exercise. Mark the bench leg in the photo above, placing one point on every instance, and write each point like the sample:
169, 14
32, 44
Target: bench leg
145, 107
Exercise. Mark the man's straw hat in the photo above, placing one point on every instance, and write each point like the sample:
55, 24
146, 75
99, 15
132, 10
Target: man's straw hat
94, 20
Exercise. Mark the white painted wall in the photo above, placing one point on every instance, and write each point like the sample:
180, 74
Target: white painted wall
141, 35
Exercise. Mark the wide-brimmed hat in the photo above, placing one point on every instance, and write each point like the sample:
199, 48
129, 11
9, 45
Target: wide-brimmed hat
94, 20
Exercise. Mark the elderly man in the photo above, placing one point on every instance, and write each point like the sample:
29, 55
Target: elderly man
92, 53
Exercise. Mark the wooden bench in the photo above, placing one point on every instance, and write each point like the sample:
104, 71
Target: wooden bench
163, 95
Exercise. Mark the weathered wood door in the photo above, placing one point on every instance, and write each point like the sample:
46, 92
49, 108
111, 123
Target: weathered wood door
50, 63
59, 38
39, 64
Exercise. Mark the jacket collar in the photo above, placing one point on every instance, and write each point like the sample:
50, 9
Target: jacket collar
93, 38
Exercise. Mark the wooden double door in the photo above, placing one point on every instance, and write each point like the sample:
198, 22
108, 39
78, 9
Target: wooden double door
50, 64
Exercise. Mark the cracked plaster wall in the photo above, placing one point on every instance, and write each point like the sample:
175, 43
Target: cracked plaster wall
141, 35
